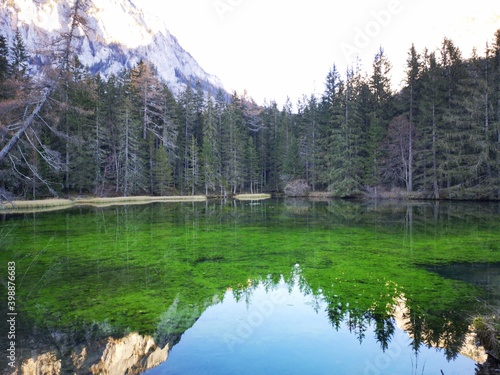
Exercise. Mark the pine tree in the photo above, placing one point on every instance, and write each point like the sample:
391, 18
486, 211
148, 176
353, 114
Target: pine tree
308, 137
454, 131
78, 29
192, 171
346, 168
80, 118
236, 139
411, 93
71, 112
132, 179
199, 108
428, 160
220, 113
148, 92
98, 143
252, 166
4, 66
109, 134
169, 124
293, 165
270, 147
468, 142
131, 163
162, 172
412, 80
494, 84
331, 118
19, 62
149, 97
382, 112
210, 148
290, 163
187, 123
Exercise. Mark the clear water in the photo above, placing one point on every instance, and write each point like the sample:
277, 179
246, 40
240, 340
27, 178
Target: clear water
283, 331
281, 287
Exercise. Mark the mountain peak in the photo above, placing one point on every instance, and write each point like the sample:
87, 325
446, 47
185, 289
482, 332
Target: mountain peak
118, 35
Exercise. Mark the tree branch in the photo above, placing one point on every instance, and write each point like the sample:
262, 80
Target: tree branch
26, 124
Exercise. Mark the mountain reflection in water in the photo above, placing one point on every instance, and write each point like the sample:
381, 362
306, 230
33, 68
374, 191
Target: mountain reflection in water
269, 328
281, 287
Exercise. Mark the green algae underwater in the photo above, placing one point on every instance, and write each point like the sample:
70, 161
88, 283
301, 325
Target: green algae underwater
85, 274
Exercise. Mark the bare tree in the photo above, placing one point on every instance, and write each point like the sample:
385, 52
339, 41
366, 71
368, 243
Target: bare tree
399, 151
40, 97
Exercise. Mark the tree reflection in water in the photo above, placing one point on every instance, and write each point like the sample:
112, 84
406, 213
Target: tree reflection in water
94, 273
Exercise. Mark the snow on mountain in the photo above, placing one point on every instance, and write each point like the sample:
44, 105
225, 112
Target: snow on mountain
119, 35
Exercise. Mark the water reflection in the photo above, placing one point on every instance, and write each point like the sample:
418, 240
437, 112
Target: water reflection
281, 330
272, 327
114, 290
484, 275
132, 354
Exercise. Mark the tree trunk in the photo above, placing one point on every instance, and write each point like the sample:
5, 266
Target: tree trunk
76, 21
434, 157
27, 123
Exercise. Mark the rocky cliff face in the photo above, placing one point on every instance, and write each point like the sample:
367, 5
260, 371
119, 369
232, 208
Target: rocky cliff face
118, 35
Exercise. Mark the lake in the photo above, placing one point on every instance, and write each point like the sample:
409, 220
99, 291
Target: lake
270, 287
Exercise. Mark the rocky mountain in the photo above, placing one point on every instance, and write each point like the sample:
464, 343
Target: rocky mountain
118, 35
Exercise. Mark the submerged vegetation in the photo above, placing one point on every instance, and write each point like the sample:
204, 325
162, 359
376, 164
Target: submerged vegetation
91, 272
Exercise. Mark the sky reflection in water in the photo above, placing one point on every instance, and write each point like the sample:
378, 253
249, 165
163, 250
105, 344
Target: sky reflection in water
283, 331
158, 270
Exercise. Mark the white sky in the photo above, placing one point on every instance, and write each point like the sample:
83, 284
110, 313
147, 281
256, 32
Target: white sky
280, 48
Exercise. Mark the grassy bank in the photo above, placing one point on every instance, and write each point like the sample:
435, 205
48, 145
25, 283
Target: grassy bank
251, 197
35, 206
42, 205
320, 195
138, 200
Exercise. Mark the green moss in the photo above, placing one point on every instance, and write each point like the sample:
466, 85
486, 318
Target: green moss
137, 268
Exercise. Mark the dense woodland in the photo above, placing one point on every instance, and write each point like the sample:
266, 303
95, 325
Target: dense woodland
438, 137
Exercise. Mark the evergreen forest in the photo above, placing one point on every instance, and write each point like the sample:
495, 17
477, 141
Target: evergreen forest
65, 132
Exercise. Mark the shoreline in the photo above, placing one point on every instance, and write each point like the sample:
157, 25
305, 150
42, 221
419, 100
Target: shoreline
52, 204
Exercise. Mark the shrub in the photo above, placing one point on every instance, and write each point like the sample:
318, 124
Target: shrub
297, 188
